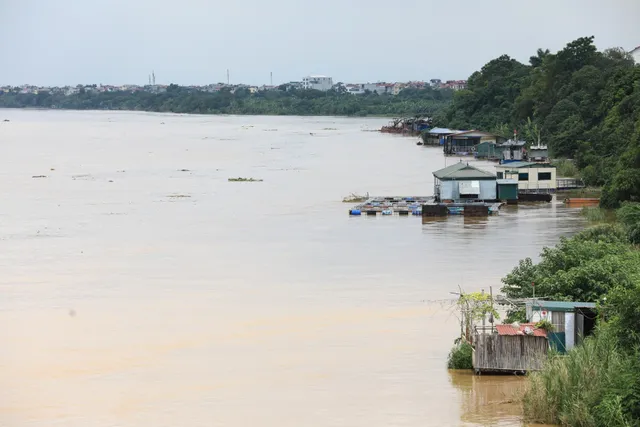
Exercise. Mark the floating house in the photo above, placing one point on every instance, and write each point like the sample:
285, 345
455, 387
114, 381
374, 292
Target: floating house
463, 182
488, 150
572, 321
513, 151
464, 143
510, 349
538, 153
436, 136
532, 177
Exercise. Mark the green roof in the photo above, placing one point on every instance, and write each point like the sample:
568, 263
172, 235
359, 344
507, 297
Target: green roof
518, 165
462, 170
561, 305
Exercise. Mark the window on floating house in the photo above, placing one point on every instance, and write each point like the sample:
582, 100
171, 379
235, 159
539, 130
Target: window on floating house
544, 176
500, 175
523, 176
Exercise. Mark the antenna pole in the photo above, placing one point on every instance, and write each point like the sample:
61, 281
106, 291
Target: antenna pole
227, 76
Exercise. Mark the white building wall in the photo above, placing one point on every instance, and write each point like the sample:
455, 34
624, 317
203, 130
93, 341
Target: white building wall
569, 330
533, 183
636, 54
322, 83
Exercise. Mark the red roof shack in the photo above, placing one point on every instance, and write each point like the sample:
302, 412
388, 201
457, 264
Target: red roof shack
510, 330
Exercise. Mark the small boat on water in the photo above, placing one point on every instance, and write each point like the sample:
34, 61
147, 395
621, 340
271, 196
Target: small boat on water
581, 201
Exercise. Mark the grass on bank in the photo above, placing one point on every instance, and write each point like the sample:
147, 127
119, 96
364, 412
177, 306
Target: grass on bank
461, 356
587, 387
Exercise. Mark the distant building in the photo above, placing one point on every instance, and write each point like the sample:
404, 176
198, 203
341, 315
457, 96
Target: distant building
454, 84
464, 143
435, 83
636, 54
397, 88
316, 82
538, 153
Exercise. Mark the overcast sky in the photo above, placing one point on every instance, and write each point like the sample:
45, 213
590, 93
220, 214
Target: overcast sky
58, 42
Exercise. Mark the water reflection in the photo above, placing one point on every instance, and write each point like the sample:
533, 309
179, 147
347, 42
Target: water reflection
488, 399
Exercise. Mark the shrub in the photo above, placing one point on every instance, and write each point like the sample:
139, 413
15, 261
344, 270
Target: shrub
461, 356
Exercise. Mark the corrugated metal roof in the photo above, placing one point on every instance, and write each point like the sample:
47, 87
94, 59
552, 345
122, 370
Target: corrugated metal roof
518, 165
440, 131
560, 305
473, 133
512, 143
462, 170
510, 330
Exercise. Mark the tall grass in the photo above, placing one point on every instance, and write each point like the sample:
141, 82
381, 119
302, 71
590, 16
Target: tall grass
566, 168
590, 386
594, 214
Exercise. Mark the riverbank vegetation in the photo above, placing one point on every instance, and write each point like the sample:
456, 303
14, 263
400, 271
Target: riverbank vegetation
583, 103
179, 99
596, 383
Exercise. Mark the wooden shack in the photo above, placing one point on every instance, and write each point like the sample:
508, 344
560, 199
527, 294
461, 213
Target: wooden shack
510, 350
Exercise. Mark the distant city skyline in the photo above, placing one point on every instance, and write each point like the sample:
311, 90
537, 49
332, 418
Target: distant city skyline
195, 42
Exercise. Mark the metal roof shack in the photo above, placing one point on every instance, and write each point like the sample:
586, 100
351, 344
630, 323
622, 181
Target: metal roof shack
442, 131
462, 171
520, 330
565, 306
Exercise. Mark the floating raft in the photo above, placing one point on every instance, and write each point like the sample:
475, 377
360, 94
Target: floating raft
421, 206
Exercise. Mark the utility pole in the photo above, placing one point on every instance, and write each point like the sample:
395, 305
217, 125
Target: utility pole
271, 79
228, 77
491, 315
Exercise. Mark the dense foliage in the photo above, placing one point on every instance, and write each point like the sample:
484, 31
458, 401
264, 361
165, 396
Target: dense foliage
598, 382
583, 103
180, 99
461, 356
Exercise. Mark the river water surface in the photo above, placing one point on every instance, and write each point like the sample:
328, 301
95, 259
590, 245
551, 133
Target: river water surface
140, 288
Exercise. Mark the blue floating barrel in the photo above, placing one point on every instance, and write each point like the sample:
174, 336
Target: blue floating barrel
417, 212
355, 212
387, 212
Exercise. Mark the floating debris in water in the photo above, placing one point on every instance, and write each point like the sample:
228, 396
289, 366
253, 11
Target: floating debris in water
355, 198
329, 129
178, 196
39, 176
184, 170
85, 177
240, 179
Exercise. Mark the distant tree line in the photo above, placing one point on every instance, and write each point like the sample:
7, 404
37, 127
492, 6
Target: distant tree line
180, 99
583, 103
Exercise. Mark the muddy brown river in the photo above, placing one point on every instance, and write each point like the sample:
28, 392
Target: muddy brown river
140, 288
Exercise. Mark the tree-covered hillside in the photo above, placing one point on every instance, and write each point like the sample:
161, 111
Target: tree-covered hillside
583, 103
